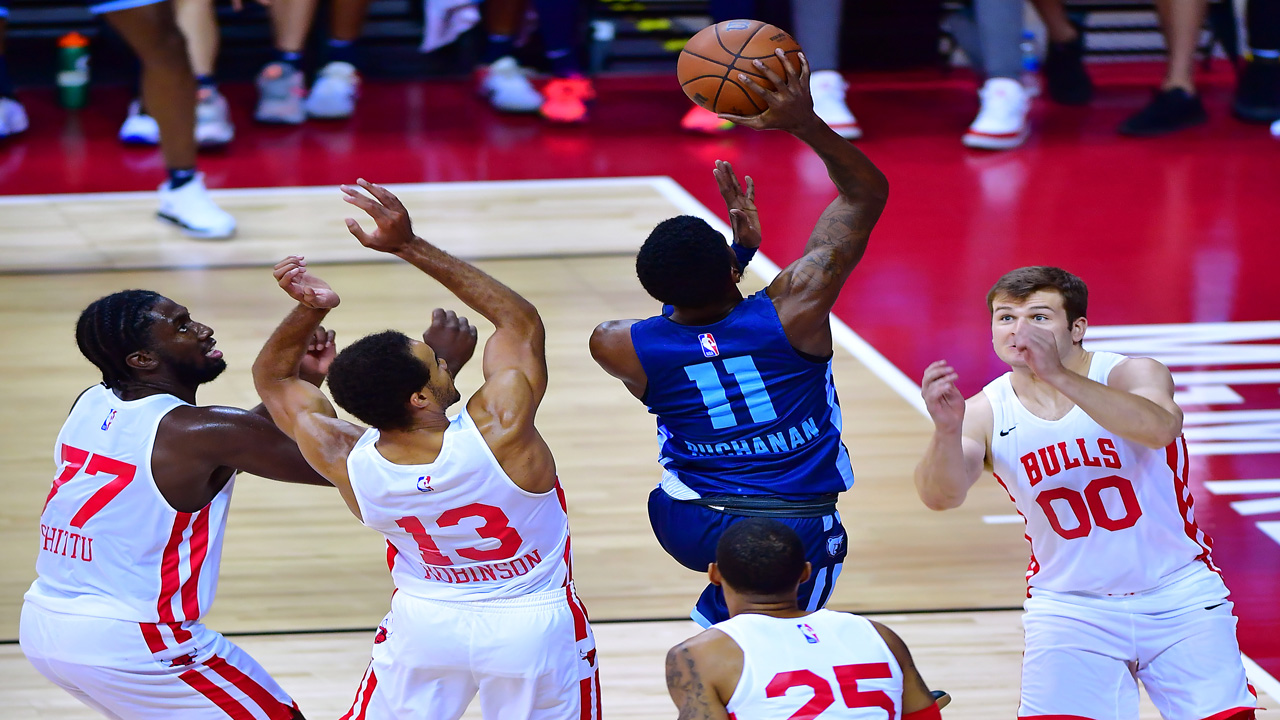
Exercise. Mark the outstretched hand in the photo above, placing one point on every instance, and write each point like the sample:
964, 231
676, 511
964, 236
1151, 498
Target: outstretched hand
394, 229
321, 350
292, 276
452, 337
743, 216
941, 396
789, 105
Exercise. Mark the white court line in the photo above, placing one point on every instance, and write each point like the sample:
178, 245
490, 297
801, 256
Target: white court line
1001, 519
449, 186
879, 364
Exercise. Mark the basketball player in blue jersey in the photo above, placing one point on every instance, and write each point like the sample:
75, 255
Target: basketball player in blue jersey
748, 421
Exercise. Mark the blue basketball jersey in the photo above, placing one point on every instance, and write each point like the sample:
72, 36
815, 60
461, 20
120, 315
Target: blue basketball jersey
740, 411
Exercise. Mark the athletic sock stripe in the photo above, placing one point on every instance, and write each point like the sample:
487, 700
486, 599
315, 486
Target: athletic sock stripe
199, 549
273, 707
169, 564
216, 695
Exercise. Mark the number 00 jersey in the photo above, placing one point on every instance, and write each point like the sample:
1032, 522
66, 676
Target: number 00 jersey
823, 665
458, 528
740, 412
1104, 515
111, 546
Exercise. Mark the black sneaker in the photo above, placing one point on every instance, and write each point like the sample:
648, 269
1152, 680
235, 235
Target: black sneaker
1258, 92
1168, 111
1064, 74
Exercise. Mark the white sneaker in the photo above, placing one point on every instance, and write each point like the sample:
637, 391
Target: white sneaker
828, 89
1002, 122
213, 121
191, 209
139, 128
13, 117
335, 91
507, 87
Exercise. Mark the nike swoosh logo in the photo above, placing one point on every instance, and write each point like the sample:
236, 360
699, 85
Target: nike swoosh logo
1006, 432
1214, 606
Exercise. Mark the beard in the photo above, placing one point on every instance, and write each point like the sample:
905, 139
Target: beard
446, 397
198, 373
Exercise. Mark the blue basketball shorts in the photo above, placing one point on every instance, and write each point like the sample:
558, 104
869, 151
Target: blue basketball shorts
689, 533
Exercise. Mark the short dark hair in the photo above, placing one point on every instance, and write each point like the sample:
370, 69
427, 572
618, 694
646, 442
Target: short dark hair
684, 262
373, 377
1021, 283
114, 327
760, 556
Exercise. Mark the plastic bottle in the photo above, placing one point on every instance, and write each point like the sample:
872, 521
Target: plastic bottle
73, 70
1030, 63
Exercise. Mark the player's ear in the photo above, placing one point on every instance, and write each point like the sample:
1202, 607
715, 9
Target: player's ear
808, 570
713, 573
1078, 329
420, 399
141, 360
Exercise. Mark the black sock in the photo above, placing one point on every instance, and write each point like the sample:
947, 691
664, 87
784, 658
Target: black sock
499, 46
206, 81
341, 51
563, 62
6, 85
558, 25
180, 176
290, 58
1262, 19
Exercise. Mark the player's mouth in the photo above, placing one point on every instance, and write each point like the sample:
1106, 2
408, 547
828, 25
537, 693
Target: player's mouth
213, 353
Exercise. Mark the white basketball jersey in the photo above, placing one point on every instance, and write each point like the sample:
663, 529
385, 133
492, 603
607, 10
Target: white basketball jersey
826, 665
111, 546
458, 528
1104, 515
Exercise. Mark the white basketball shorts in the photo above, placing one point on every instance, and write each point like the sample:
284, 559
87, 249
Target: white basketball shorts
531, 657
132, 671
1084, 661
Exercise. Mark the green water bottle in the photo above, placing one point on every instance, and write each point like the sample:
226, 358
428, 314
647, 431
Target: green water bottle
73, 70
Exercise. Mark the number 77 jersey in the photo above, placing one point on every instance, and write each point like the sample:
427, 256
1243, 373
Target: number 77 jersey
740, 411
110, 545
1104, 515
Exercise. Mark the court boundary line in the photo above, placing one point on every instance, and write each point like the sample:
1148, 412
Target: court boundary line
878, 364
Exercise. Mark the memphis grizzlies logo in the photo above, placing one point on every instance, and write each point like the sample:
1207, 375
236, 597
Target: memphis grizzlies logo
834, 544
707, 342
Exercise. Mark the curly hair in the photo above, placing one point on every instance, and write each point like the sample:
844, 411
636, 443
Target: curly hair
373, 378
760, 556
114, 327
684, 262
1021, 283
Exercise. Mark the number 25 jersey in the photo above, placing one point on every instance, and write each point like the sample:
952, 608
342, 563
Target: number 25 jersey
1104, 515
740, 411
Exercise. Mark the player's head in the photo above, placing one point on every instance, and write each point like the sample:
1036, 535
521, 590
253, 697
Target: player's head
140, 332
386, 378
760, 559
1042, 296
684, 262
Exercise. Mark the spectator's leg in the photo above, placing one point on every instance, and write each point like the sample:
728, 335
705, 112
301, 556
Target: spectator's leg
169, 91
337, 85
817, 28
1175, 106
722, 10
1002, 121
199, 24
281, 85
13, 117
1258, 94
502, 81
565, 97
1065, 77
291, 23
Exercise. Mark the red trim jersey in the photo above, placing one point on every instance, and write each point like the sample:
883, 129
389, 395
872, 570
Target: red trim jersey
823, 665
1104, 515
458, 528
110, 544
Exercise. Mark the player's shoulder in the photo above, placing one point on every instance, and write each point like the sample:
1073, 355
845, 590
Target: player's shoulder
1137, 371
709, 649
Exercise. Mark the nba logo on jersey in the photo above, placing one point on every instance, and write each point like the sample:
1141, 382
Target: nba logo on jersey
708, 343
106, 424
810, 636
424, 484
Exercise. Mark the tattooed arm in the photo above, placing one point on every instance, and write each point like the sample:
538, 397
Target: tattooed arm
701, 675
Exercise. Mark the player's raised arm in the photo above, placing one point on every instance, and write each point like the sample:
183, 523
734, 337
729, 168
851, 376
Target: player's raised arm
298, 407
957, 451
807, 289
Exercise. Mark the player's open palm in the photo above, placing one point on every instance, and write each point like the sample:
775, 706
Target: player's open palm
292, 276
393, 229
744, 218
941, 396
452, 337
790, 106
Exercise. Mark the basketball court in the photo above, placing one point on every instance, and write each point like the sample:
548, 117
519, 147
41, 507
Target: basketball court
1171, 234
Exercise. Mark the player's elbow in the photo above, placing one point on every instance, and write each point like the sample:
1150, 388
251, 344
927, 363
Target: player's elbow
936, 495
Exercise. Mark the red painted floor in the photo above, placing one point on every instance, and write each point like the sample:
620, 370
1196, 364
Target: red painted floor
1172, 230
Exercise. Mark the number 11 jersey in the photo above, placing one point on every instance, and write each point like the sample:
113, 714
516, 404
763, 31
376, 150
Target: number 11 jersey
740, 411
1104, 515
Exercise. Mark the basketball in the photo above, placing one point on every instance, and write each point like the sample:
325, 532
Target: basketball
710, 62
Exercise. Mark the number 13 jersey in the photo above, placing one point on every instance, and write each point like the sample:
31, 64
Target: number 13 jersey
111, 546
1104, 515
458, 528
740, 411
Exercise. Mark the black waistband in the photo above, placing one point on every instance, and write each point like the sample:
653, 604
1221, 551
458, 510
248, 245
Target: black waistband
764, 506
